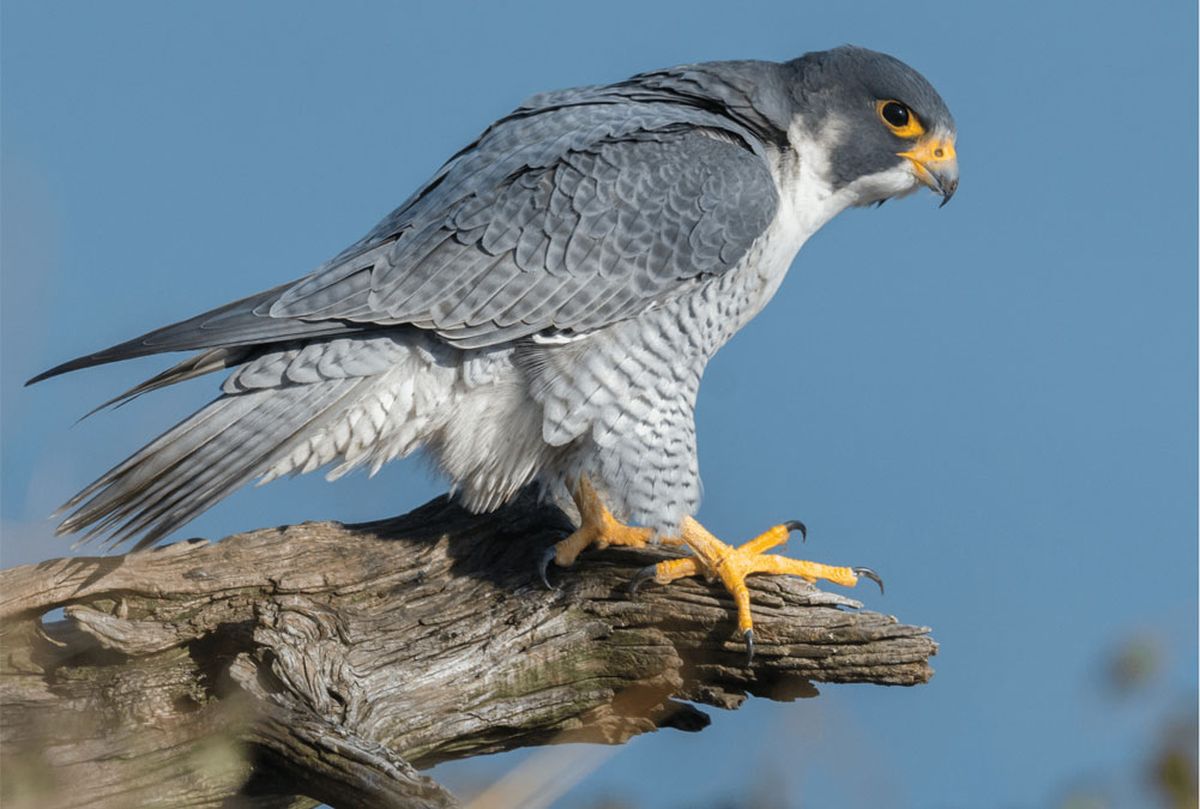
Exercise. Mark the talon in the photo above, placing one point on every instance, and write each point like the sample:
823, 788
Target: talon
749, 636
640, 578
870, 574
796, 525
544, 566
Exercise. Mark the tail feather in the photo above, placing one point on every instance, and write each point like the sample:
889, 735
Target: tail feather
172, 440
205, 489
154, 474
192, 466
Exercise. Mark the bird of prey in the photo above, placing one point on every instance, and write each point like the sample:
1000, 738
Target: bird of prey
543, 308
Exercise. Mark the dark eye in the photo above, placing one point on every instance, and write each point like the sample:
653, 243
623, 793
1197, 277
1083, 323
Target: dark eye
895, 114
902, 121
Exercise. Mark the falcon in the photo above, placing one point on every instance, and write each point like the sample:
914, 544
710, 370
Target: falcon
541, 311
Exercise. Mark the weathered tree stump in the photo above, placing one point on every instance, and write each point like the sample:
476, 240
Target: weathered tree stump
327, 662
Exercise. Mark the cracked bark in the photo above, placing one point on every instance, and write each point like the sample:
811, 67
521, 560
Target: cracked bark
326, 662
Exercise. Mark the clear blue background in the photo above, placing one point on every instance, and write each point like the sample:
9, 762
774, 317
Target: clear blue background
994, 404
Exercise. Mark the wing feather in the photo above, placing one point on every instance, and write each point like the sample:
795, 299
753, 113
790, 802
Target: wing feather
633, 191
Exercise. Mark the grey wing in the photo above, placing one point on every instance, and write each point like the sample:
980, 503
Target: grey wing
579, 209
597, 236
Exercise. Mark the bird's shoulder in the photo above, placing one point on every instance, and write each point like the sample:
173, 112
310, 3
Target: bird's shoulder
582, 207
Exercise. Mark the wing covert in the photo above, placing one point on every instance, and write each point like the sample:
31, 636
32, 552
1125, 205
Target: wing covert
595, 236
580, 208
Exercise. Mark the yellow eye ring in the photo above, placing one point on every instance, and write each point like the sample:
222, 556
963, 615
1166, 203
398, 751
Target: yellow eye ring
903, 122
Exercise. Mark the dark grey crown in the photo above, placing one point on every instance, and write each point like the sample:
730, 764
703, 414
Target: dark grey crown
845, 83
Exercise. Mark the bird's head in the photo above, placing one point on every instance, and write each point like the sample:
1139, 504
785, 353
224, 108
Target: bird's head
880, 127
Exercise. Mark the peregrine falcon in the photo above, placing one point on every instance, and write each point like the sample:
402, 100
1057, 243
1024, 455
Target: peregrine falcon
542, 309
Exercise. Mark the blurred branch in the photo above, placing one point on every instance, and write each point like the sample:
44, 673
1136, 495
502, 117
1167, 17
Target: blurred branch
323, 662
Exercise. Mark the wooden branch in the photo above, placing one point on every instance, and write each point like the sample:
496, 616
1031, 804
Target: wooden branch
323, 662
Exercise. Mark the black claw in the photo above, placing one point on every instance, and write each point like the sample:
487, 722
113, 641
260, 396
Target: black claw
749, 636
544, 567
640, 578
870, 574
796, 525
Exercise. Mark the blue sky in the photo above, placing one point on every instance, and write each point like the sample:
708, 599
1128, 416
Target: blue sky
994, 404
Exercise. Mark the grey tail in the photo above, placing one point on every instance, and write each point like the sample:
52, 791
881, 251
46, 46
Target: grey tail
199, 461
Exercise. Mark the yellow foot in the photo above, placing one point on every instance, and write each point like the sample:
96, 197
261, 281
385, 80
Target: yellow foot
597, 526
732, 565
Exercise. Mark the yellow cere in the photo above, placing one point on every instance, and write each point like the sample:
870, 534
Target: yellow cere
930, 151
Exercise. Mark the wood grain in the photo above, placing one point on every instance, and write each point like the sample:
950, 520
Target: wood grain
331, 663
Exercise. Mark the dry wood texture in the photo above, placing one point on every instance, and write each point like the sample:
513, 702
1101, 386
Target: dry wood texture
326, 662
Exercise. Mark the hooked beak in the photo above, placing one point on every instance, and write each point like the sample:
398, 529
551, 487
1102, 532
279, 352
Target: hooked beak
935, 163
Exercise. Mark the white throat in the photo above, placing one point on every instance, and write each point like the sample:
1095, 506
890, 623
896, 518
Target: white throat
808, 200
806, 187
